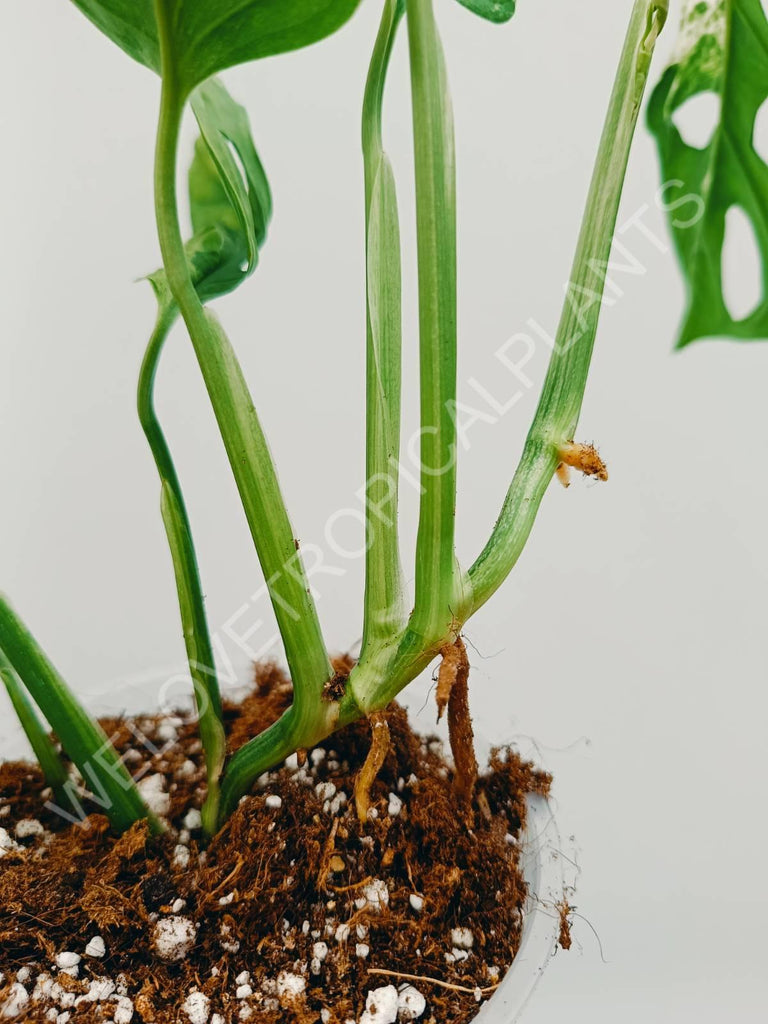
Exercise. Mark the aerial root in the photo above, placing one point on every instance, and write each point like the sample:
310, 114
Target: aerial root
453, 692
450, 665
583, 457
373, 763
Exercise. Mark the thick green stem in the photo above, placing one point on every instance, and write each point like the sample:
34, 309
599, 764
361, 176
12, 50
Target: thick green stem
83, 739
383, 605
561, 400
190, 592
436, 245
240, 429
42, 746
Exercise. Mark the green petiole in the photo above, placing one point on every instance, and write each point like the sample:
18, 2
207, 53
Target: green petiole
191, 600
83, 739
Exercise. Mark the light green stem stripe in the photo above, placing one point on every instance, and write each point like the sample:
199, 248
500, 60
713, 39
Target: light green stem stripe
561, 400
42, 746
197, 640
83, 739
436, 249
383, 603
238, 423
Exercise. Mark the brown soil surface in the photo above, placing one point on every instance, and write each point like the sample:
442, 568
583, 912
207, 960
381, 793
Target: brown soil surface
279, 884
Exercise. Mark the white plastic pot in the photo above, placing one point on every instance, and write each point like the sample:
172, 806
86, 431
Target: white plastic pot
543, 871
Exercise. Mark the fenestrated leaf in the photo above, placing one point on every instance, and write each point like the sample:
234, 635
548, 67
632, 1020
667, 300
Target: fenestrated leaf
497, 11
723, 48
230, 213
208, 37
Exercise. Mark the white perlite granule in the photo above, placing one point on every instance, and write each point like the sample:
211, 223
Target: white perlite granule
376, 895
15, 1000
173, 938
28, 827
273, 801
96, 947
290, 986
99, 990
123, 1013
193, 819
381, 1006
411, 1004
417, 902
7, 845
462, 938
152, 790
181, 857
67, 963
197, 1007
394, 806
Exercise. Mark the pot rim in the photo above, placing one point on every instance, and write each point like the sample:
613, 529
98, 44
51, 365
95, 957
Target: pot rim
543, 870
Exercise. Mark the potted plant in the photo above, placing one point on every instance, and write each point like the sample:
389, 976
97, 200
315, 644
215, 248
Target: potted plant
304, 856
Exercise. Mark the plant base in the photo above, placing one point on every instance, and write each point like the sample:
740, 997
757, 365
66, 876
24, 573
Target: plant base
295, 913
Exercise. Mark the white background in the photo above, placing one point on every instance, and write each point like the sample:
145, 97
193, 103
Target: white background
629, 642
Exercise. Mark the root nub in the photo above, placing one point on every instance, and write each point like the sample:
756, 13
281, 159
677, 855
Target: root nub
583, 457
373, 763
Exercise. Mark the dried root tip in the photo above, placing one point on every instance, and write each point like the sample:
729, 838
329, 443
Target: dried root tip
583, 457
373, 763
563, 473
460, 727
301, 757
446, 676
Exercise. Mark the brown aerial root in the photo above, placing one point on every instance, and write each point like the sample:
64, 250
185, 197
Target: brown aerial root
453, 691
373, 763
446, 676
583, 457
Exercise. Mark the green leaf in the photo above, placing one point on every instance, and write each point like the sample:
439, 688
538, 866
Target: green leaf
83, 739
207, 37
231, 208
723, 48
497, 11
129, 23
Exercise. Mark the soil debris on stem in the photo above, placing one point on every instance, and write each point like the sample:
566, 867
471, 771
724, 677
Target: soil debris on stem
583, 457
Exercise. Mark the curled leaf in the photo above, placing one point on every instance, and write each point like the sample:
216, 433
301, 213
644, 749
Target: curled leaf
230, 199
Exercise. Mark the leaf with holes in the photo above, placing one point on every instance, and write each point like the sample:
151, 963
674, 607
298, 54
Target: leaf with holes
209, 37
722, 50
497, 11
